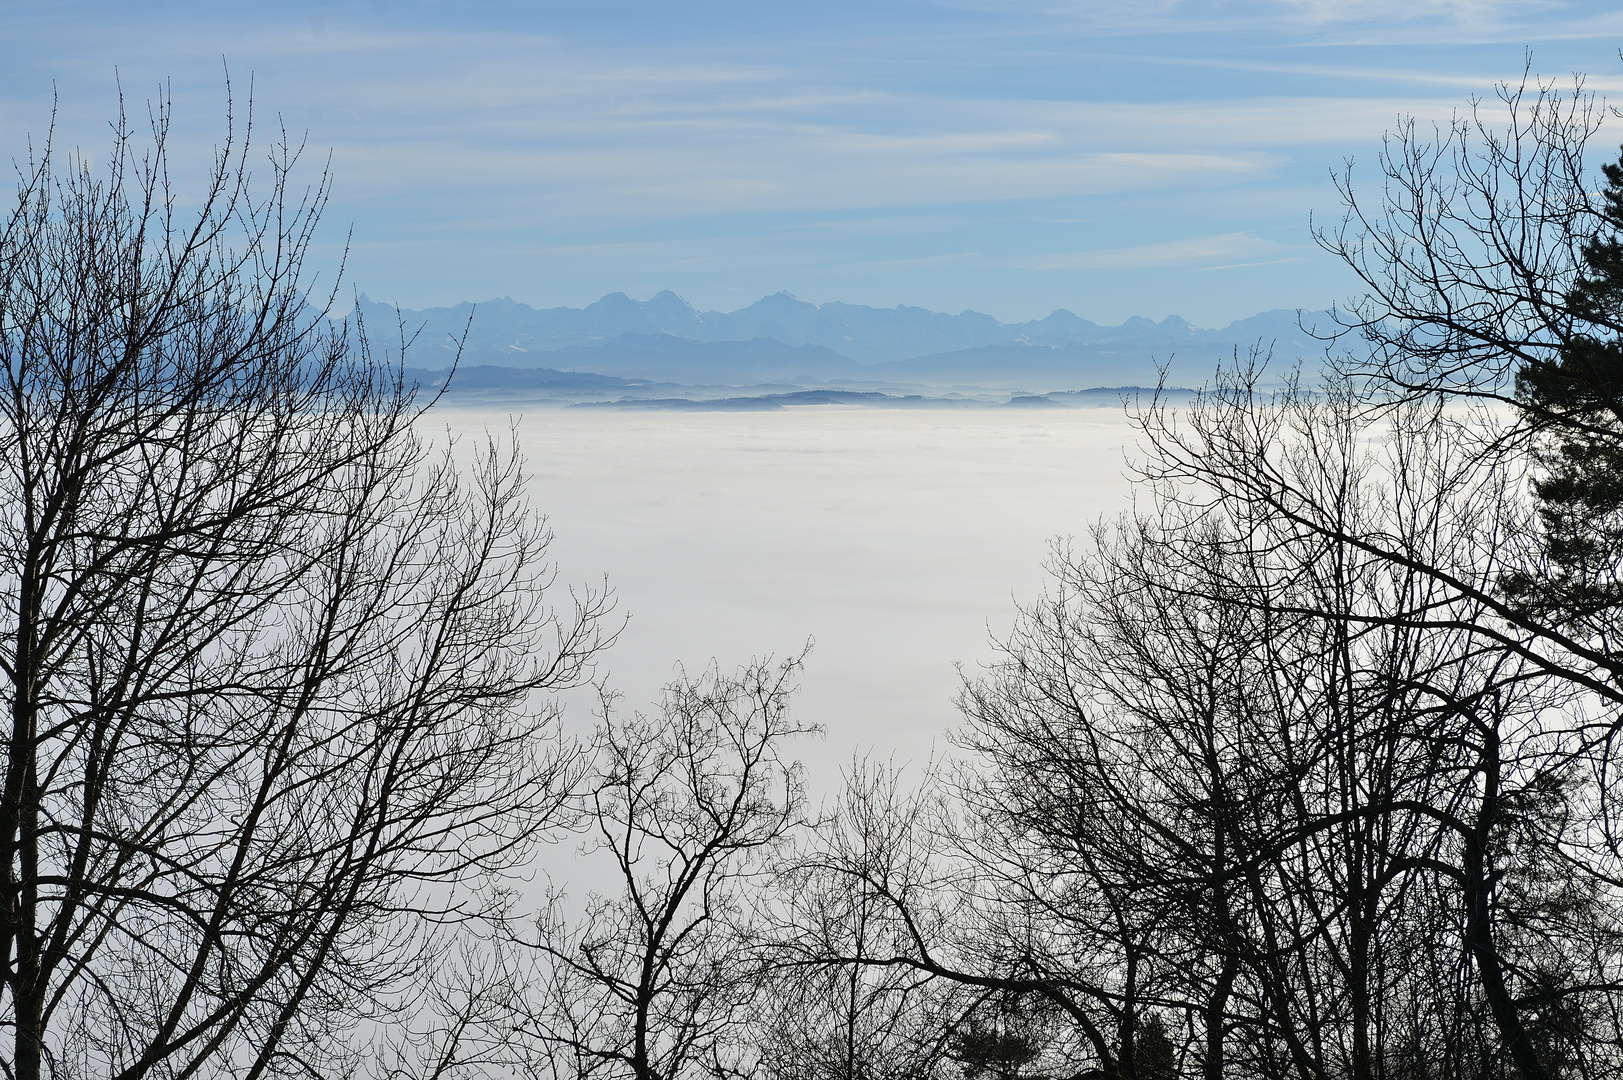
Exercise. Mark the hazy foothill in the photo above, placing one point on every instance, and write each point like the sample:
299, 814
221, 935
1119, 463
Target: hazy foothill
620, 350
1303, 766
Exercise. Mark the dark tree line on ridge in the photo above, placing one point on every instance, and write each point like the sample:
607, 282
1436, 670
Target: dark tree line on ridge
1305, 769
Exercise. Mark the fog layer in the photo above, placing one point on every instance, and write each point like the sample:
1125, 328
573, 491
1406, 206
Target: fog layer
898, 541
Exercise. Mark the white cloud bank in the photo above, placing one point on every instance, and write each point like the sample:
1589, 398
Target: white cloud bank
896, 539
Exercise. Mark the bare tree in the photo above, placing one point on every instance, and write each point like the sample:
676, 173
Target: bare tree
1467, 738
1492, 257
829, 1012
1493, 260
274, 674
1311, 763
653, 982
1266, 770
1470, 250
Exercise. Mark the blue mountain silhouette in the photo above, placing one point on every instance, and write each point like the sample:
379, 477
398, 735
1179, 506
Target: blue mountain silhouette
780, 339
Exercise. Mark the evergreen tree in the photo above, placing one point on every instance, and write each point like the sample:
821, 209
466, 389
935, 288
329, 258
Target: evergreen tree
1154, 1056
1576, 402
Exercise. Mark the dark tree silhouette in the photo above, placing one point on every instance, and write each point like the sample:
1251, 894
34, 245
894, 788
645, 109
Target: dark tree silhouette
1268, 766
655, 981
273, 673
1494, 272
1576, 399
1307, 768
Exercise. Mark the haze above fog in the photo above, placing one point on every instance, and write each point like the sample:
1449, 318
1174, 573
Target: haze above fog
663, 350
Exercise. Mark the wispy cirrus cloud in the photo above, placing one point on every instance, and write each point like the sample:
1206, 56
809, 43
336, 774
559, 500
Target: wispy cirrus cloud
851, 151
1170, 253
1391, 21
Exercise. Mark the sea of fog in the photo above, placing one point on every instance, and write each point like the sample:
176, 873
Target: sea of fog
899, 542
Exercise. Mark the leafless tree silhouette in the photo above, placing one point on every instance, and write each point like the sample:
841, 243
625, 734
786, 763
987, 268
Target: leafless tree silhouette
655, 981
274, 672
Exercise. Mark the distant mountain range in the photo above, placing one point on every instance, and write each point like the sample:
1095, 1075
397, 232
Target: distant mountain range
780, 344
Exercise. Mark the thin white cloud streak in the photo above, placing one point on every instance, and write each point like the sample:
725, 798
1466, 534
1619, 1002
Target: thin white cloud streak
1144, 256
562, 139
927, 260
1246, 265
474, 154
1452, 22
466, 87
1479, 82
802, 175
595, 156
1387, 22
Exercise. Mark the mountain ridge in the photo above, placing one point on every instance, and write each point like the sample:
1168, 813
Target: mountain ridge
507, 332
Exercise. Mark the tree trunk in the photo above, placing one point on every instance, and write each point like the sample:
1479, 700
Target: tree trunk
1216, 1010
1479, 924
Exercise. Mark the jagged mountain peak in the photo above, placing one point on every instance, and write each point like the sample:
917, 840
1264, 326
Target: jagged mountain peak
869, 335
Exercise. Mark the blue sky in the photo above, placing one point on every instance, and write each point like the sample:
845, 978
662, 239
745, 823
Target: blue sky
1112, 158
